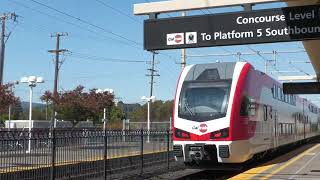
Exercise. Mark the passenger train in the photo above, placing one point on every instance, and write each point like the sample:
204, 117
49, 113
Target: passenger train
230, 112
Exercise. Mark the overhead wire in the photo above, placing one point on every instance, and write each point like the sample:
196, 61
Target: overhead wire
117, 10
263, 58
295, 67
292, 66
93, 25
72, 24
82, 56
87, 23
86, 57
101, 59
124, 14
10, 31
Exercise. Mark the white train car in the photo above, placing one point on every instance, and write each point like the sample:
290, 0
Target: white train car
229, 112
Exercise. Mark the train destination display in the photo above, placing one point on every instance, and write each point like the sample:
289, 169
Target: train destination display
261, 26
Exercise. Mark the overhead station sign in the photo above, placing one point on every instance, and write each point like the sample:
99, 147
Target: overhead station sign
261, 26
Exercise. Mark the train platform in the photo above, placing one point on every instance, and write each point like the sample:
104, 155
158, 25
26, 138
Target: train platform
302, 163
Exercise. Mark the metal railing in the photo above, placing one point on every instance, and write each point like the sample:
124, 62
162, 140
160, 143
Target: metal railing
74, 154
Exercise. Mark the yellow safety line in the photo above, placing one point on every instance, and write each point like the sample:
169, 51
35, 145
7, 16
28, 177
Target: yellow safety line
255, 171
289, 162
252, 172
23, 168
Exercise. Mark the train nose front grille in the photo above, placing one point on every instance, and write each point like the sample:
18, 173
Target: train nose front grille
224, 151
177, 150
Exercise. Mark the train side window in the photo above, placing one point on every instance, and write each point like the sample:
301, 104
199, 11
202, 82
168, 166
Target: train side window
289, 99
274, 92
286, 98
286, 129
290, 128
265, 113
282, 96
245, 105
279, 93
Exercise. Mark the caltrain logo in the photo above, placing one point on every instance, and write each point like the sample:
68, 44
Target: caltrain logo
182, 38
203, 128
175, 39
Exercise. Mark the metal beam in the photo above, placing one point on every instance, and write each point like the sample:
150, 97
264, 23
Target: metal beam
296, 78
311, 46
183, 5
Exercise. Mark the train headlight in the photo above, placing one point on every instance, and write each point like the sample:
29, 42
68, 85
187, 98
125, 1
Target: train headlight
182, 134
223, 133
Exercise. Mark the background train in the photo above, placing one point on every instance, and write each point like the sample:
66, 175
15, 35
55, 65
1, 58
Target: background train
229, 112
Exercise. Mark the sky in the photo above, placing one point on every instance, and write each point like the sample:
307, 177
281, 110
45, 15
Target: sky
109, 53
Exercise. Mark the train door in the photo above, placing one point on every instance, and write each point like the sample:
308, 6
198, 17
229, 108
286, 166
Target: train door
304, 117
275, 134
295, 130
267, 125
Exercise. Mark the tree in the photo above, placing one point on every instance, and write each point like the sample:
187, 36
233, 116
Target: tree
47, 98
38, 113
159, 111
71, 105
96, 102
7, 98
116, 114
78, 105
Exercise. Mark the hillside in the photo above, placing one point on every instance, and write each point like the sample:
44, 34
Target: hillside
25, 105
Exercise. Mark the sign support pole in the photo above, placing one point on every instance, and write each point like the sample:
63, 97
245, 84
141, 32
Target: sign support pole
183, 51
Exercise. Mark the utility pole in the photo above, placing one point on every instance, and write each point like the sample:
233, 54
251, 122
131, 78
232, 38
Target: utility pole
153, 72
183, 51
3, 19
57, 52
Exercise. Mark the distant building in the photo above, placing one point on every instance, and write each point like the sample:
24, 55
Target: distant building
39, 124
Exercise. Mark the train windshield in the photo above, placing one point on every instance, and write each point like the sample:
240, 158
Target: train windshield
203, 101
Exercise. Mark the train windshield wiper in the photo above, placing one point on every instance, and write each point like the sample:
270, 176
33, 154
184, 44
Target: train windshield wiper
188, 108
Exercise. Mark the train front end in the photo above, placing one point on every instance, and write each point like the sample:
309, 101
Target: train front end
205, 109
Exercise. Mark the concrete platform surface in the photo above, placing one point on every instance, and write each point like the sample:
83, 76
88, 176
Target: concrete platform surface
300, 164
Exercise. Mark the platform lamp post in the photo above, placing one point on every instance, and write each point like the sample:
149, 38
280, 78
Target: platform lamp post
32, 82
111, 91
148, 99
